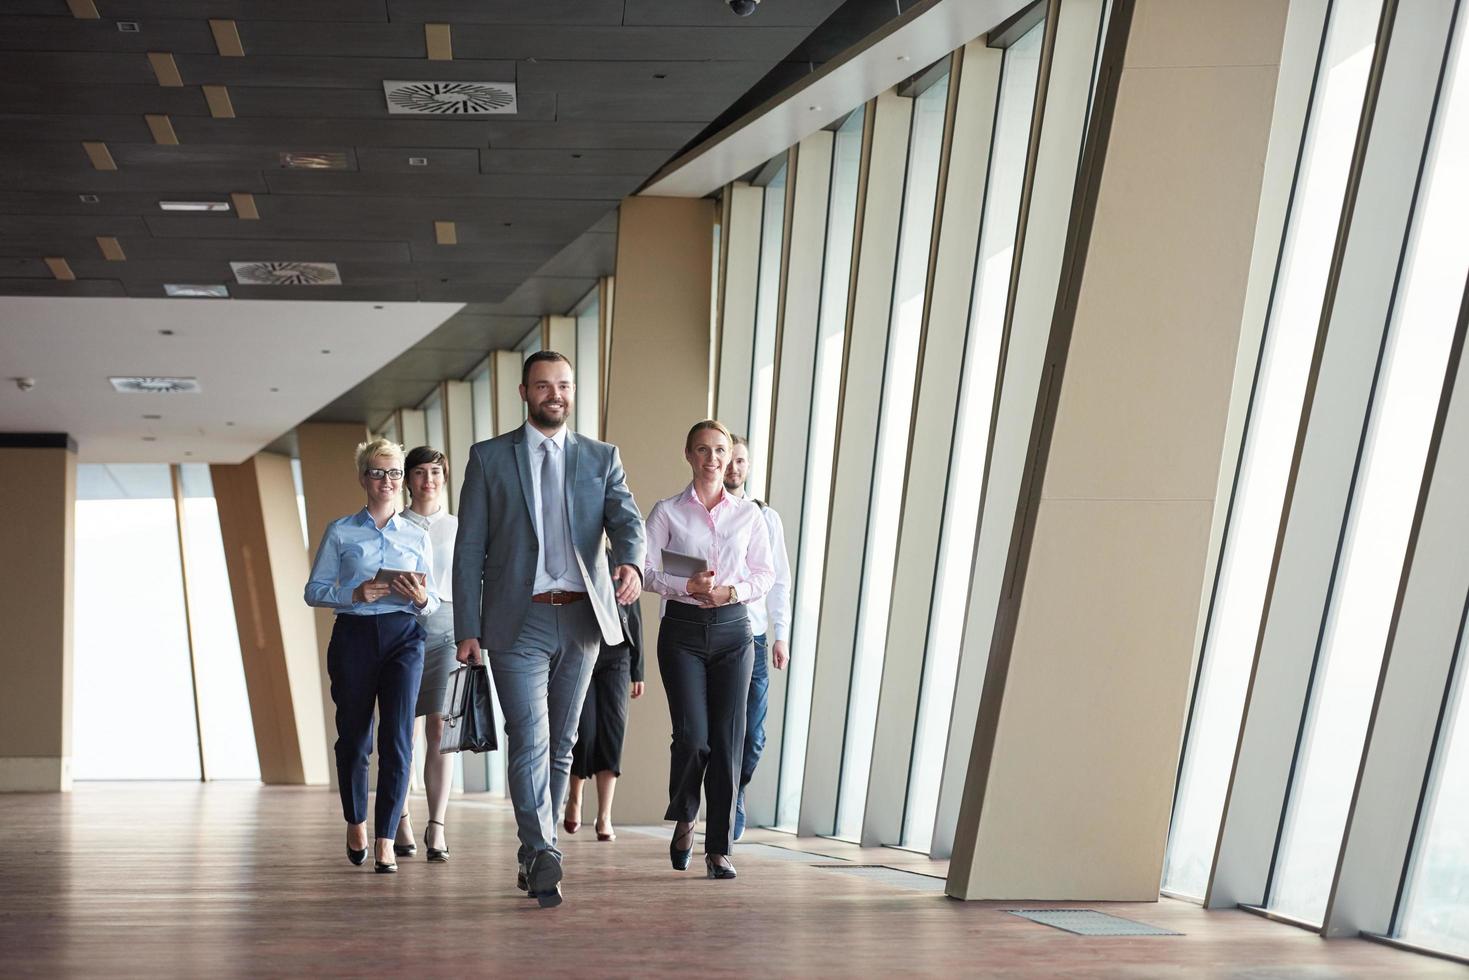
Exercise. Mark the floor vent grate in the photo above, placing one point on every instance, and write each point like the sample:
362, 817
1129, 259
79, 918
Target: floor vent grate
1089, 922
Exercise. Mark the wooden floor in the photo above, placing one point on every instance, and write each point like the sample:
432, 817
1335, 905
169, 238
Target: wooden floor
183, 880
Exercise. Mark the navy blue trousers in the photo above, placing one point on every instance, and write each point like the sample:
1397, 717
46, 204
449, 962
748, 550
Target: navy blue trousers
375, 660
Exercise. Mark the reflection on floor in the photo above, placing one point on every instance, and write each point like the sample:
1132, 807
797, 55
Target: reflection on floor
184, 880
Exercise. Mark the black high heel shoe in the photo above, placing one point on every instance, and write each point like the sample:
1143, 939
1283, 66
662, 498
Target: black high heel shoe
435, 853
404, 850
356, 856
719, 871
680, 856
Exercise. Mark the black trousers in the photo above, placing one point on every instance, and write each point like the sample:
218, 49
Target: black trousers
705, 657
603, 724
375, 660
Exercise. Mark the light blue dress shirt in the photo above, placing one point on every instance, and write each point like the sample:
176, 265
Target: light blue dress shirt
352, 551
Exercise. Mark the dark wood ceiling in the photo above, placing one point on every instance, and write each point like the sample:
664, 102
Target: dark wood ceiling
608, 90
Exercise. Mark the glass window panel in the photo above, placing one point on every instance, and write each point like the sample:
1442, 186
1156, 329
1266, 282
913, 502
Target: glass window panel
300, 501
1389, 476
899, 371
767, 303
224, 703
825, 393
481, 397
588, 367
1254, 519
131, 643
971, 437
433, 421
1435, 911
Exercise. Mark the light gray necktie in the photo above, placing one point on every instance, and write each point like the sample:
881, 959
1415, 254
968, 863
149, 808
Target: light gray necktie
553, 513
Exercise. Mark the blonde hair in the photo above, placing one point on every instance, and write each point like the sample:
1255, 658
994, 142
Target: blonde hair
718, 426
372, 449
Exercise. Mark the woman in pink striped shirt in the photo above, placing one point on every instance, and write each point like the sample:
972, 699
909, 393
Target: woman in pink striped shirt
705, 647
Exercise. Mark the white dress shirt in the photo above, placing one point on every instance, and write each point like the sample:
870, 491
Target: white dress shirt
441, 527
770, 616
570, 580
732, 537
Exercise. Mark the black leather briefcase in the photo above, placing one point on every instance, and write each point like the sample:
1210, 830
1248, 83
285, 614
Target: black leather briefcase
469, 712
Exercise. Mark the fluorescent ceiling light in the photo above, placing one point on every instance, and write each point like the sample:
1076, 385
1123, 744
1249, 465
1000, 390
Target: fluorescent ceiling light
325, 160
194, 205
179, 289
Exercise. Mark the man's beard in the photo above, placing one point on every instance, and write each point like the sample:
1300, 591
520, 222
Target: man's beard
542, 417
733, 487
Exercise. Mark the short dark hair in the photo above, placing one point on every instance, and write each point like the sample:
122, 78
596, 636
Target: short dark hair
739, 440
537, 358
422, 456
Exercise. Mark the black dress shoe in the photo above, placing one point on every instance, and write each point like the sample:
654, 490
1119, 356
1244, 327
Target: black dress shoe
543, 879
404, 850
720, 871
357, 856
384, 868
440, 854
680, 856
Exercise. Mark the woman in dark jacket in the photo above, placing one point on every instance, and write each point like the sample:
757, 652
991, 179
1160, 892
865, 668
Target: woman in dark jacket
598, 749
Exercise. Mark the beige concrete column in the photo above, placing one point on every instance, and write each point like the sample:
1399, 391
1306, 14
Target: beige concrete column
329, 483
1072, 770
36, 656
658, 386
268, 570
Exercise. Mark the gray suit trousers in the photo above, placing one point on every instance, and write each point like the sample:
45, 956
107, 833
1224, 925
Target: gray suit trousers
542, 683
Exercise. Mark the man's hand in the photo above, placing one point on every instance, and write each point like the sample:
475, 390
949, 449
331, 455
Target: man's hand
370, 591
468, 652
637, 689
779, 655
629, 584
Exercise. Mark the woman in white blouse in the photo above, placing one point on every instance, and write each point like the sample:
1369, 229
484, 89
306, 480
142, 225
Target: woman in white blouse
705, 647
424, 472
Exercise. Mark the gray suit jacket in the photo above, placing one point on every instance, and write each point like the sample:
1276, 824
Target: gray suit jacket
495, 550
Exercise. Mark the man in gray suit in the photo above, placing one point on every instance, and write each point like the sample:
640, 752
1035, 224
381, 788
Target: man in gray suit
533, 589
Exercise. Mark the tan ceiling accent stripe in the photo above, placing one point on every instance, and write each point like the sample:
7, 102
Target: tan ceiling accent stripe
245, 206
440, 46
60, 269
227, 38
218, 98
100, 156
445, 233
165, 69
111, 249
162, 130
83, 9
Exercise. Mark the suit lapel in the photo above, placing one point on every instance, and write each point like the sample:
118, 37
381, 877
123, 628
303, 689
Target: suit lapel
573, 455
522, 466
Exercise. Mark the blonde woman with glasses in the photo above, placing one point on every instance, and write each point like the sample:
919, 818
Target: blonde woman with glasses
375, 569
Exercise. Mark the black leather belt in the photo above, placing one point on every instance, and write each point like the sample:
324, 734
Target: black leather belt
558, 597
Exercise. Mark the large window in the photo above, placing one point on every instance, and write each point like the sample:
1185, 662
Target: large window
1254, 518
976, 401
433, 421
482, 404
899, 372
1404, 404
767, 307
135, 691
588, 366
825, 394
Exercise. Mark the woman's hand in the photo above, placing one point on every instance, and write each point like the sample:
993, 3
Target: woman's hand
701, 584
369, 591
411, 589
779, 655
720, 595
637, 689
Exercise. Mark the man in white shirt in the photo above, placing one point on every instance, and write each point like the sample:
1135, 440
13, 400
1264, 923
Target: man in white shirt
770, 620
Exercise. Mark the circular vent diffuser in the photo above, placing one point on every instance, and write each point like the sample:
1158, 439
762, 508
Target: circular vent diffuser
286, 273
449, 98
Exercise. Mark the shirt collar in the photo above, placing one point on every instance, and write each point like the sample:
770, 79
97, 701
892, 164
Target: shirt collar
424, 520
364, 518
535, 437
725, 497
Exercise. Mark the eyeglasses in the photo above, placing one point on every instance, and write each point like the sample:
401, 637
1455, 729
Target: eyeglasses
377, 474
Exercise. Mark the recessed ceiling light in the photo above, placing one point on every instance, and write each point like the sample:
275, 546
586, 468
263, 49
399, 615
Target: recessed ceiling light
195, 291
902, 57
379, 307
814, 108
88, 198
659, 75
194, 205
155, 385
275, 389
153, 418
325, 351
150, 438
326, 160
166, 332
129, 26
418, 161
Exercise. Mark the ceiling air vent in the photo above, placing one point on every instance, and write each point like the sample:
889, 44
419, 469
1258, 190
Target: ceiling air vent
450, 98
156, 386
286, 273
